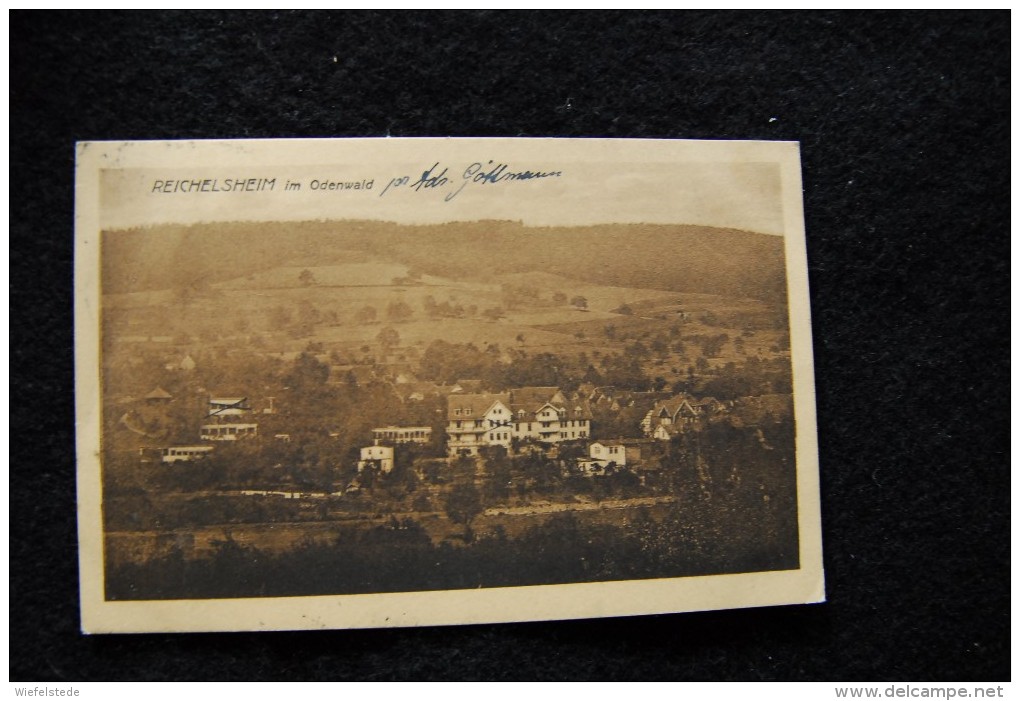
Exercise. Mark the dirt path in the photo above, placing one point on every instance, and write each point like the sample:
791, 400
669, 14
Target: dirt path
552, 508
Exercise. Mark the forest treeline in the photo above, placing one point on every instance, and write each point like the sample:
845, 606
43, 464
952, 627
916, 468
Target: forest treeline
680, 258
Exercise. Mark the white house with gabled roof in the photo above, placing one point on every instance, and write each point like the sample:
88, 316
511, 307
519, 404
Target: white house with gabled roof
528, 414
543, 414
477, 420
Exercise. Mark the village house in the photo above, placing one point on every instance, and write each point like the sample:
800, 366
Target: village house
222, 423
225, 407
187, 363
378, 457
602, 453
185, 453
636, 454
402, 434
527, 414
228, 431
158, 396
544, 415
477, 420
665, 432
668, 417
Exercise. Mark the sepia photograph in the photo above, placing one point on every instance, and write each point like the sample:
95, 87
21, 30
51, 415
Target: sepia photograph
401, 382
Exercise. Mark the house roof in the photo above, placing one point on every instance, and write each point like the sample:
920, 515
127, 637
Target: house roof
636, 441
228, 401
578, 410
473, 406
673, 404
159, 393
531, 399
533, 395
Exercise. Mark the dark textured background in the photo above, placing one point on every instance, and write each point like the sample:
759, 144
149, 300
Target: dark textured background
904, 125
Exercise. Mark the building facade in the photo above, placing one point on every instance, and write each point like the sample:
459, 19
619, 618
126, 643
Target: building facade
536, 415
668, 417
228, 432
604, 453
379, 457
185, 453
477, 420
402, 434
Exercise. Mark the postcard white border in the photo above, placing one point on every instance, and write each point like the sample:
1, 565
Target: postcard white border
450, 607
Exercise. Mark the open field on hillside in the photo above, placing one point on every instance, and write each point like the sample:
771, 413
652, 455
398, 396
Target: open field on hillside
265, 304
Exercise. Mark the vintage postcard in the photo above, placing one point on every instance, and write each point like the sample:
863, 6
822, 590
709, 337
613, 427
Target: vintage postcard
401, 382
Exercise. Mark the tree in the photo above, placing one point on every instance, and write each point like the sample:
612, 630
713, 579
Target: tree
660, 344
308, 315
308, 373
430, 305
306, 278
624, 309
579, 302
463, 504
366, 315
388, 337
711, 346
399, 311
560, 297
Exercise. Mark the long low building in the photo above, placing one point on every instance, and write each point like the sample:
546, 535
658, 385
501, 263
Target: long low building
228, 432
402, 434
185, 453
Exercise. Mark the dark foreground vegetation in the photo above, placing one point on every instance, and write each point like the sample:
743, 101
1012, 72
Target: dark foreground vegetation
399, 556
